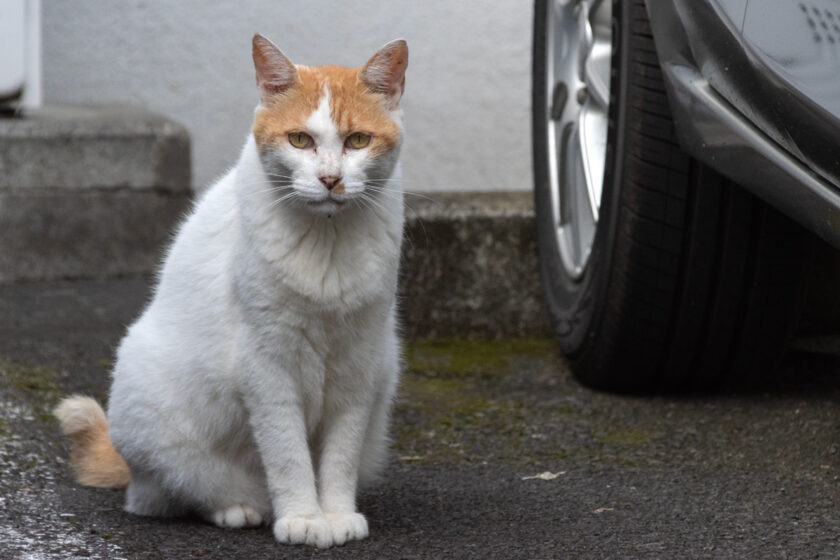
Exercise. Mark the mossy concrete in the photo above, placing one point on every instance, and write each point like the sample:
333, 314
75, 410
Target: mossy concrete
38, 380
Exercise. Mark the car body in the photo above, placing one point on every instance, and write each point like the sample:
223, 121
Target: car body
755, 90
685, 154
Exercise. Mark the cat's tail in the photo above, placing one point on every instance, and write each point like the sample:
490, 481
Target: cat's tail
92, 454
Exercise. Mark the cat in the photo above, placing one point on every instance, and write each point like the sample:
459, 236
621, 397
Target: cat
258, 382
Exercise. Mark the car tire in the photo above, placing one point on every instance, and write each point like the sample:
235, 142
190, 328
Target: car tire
690, 282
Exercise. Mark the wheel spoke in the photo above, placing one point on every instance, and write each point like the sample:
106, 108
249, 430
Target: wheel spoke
577, 229
563, 44
596, 72
578, 49
592, 126
584, 36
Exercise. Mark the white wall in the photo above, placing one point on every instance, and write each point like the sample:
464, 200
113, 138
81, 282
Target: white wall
467, 94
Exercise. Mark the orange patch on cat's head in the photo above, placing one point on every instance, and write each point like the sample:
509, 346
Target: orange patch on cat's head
353, 108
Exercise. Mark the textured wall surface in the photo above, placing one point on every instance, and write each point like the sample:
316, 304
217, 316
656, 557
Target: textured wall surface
468, 85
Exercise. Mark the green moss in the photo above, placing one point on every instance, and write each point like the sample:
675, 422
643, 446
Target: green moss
434, 387
40, 382
453, 418
464, 356
477, 401
105, 363
456, 396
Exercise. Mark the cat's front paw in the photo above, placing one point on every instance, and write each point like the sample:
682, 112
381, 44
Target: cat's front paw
347, 527
304, 529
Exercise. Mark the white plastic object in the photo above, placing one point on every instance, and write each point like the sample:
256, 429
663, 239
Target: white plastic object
20, 52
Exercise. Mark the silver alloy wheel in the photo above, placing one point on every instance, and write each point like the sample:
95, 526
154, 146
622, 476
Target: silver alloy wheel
578, 58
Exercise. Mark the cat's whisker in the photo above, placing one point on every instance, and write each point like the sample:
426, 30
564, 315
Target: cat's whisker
392, 178
264, 171
392, 194
263, 182
419, 195
376, 206
266, 174
369, 201
412, 193
292, 195
386, 192
360, 201
257, 180
263, 178
281, 193
270, 189
276, 190
376, 203
409, 207
383, 186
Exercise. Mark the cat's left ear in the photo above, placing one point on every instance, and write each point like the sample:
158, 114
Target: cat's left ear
385, 72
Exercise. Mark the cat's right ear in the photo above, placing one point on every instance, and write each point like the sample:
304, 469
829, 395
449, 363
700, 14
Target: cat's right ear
275, 72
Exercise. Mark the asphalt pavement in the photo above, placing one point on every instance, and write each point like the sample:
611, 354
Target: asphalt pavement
498, 453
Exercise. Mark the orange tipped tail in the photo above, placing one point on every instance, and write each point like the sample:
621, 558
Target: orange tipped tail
92, 454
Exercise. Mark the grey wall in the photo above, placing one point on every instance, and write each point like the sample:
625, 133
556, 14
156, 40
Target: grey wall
468, 86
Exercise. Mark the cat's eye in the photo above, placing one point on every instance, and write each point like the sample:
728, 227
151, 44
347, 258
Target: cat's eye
358, 140
300, 140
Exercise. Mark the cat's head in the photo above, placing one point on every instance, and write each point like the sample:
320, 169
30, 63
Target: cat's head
328, 134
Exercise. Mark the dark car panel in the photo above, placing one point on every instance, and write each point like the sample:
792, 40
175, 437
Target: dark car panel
744, 106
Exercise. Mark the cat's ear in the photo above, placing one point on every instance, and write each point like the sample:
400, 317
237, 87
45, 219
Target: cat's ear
385, 72
275, 72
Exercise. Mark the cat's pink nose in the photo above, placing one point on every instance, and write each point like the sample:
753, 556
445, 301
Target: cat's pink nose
330, 181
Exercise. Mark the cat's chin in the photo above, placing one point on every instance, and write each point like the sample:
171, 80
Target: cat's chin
327, 206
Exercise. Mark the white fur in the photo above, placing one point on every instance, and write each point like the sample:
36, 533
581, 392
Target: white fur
79, 413
268, 358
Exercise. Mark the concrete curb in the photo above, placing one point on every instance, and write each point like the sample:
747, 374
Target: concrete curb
470, 268
88, 192
94, 148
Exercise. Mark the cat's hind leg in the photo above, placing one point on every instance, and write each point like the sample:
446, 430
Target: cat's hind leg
146, 496
227, 493
236, 517
206, 465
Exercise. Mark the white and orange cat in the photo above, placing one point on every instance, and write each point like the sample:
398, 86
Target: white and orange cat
257, 384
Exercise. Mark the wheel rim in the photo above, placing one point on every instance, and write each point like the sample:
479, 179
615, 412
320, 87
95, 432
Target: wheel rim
578, 58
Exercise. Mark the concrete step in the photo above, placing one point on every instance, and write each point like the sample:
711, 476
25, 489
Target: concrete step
470, 266
88, 192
